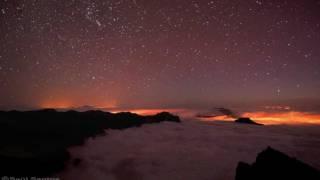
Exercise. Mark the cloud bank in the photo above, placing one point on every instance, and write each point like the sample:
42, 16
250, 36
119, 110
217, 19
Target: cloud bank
189, 150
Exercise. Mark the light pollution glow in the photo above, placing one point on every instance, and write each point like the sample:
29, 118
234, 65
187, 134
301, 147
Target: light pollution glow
68, 104
273, 118
283, 114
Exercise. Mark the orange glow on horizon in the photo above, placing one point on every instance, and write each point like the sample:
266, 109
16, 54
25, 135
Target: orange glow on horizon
216, 118
107, 105
56, 104
268, 118
150, 111
291, 117
264, 117
273, 118
68, 104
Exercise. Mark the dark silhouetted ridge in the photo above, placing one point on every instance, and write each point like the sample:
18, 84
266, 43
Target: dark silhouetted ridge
273, 164
34, 143
246, 120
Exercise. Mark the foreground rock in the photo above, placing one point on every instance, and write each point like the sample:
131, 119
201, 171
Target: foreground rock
34, 143
272, 164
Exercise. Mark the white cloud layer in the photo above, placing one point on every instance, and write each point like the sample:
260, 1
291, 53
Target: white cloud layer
190, 150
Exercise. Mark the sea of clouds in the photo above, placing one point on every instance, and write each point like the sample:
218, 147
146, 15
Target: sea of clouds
190, 150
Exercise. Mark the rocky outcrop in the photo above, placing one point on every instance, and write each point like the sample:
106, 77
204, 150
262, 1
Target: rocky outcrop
273, 164
246, 120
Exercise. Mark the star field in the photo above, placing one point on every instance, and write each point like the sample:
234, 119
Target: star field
148, 53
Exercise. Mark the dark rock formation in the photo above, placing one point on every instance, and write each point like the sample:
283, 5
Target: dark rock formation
246, 120
34, 143
163, 116
31, 164
76, 161
275, 165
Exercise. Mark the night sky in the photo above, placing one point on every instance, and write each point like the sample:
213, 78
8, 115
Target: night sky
158, 53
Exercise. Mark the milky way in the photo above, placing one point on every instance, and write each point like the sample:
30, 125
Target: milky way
156, 54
